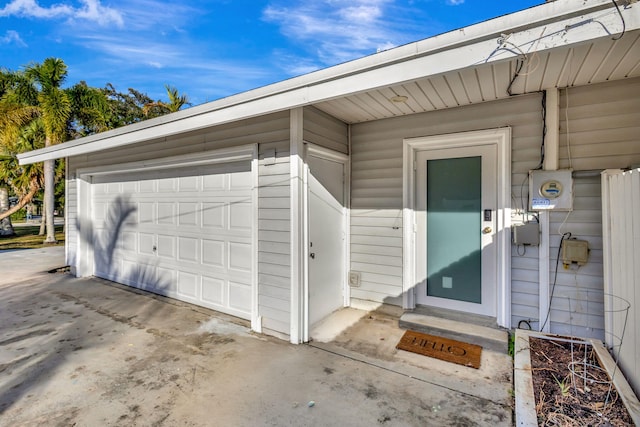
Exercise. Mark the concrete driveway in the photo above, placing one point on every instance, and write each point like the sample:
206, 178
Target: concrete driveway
87, 352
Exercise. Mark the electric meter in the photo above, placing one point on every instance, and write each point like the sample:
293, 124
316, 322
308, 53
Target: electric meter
550, 190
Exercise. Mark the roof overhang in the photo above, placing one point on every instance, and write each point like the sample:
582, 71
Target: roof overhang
551, 27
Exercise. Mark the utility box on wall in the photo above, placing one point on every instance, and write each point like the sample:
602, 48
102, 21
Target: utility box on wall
550, 190
526, 234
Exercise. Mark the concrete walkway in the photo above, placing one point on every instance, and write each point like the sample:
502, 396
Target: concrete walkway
87, 352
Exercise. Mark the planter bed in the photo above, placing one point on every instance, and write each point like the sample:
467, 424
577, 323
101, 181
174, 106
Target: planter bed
561, 398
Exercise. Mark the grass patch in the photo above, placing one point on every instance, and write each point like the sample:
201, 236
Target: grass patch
27, 238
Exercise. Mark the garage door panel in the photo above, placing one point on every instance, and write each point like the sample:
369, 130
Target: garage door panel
167, 185
147, 186
184, 233
127, 241
129, 187
189, 183
240, 296
241, 181
114, 188
214, 215
214, 182
188, 285
128, 273
241, 215
167, 280
146, 212
147, 277
166, 213
166, 246
240, 256
146, 243
188, 213
213, 290
188, 249
213, 252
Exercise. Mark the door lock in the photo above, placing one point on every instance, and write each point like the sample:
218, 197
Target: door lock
487, 230
312, 255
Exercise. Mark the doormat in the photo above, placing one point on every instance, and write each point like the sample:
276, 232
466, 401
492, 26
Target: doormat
441, 348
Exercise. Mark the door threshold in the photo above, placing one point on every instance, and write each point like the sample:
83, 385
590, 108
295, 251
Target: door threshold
466, 327
460, 316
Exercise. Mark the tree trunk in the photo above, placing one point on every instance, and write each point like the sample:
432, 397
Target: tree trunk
6, 228
42, 220
49, 200
33, 189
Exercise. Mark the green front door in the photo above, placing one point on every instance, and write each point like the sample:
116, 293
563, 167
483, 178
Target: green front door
456, 208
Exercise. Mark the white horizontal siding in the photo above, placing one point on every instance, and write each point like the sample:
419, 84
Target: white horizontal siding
603, 125
376, 193
259, 130
324, 130
599, 128
274, 238
71, 215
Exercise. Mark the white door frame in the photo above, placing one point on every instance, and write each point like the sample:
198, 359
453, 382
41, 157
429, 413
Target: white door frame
335, 156
501, 137
85, 265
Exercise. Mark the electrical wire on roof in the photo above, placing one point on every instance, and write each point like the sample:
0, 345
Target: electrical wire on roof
624, 24
533, 61
519, 65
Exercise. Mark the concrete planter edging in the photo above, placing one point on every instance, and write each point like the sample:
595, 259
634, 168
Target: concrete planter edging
523, 381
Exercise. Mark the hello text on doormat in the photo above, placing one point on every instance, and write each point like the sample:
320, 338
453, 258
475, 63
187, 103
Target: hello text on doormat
441, 348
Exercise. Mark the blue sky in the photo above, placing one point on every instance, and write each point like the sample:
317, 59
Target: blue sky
209, 49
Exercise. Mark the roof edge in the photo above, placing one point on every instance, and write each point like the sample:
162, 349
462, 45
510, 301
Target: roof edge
528, 18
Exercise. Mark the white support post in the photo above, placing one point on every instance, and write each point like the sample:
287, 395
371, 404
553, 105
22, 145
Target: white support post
298, 273
551, 162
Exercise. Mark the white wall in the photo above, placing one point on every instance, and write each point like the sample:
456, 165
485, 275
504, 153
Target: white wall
376, 214
599, 129
604, 124
324, 130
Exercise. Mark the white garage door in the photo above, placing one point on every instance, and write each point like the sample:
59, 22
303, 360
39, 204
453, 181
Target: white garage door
184, 233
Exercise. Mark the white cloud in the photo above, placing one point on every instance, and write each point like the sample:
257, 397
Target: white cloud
161, 15
31, 9
90, 10
338, 30
133, 52
454, 2
12, 37
93, 10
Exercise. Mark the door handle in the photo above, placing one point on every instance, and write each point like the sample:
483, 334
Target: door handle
487, 230
312, 255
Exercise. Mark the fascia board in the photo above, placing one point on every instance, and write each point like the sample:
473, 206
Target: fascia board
450, 51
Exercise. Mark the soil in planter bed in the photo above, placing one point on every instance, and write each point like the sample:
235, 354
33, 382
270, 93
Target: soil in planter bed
563, 399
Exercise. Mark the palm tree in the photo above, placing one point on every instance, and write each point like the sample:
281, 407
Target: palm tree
37, 94
159, 108
54, 106
24, 181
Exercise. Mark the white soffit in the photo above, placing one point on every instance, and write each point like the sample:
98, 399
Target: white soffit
571, 43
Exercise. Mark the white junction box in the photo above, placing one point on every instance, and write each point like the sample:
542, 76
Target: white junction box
526, 234
550, 190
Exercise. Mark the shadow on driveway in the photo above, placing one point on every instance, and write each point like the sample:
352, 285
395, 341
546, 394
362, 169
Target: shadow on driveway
90, 352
